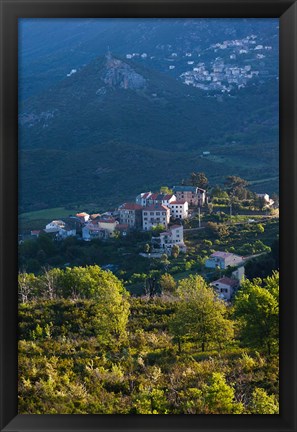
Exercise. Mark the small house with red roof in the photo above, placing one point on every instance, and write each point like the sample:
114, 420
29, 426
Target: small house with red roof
225, 287
142, 198
83, 217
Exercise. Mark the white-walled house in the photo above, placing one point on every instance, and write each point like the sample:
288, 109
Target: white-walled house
160, 198
92, 231
173, 236
142, 198
223, 260
83, 217
179, 209
239, 274
268, 201
155, 215
54, 226
225, 287
146, 199
66, 232
108, 224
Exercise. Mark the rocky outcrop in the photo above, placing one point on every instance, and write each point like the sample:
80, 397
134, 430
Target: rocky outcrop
118, 74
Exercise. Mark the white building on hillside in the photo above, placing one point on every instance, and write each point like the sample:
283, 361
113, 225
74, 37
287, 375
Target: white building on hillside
142, 198
173, 236
223, 260
54, 226
225, 287
268, 201
179, 209
155, 215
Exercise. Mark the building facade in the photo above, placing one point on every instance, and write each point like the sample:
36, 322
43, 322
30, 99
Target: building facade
179, 209
131, 215
173, 236
194, 195
155, 215
223, 260
225, 287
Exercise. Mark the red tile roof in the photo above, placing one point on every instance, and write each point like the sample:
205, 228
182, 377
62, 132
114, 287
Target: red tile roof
226, 281
106, 220
156, 207
224, 254
168, 196
83, 214
178, 202
130, 206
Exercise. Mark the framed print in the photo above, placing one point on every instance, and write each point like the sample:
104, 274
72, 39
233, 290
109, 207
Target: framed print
148, 207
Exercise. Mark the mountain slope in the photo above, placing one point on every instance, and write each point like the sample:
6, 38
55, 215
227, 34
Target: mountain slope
116, 127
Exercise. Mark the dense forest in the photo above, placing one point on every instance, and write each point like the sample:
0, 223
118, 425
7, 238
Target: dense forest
87, 346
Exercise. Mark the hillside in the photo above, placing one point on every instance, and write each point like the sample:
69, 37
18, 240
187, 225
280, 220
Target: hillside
117, 125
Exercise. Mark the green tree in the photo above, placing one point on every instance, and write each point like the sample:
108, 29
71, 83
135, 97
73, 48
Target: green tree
200, 315
147, 248
259, 228
257, 309
199, 179
262, 403
175, 251
167, 283
236, 187
219, 396
220, 230
233, 182
165, 190
27, 286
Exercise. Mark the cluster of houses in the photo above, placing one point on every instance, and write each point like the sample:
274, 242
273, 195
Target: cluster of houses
226, 286
149, 210
154, 210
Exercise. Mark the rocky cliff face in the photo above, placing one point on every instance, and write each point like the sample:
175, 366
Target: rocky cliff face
118, 74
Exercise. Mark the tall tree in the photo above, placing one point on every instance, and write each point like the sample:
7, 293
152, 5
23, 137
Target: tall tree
236, 187
219, 396
200, 314
199, 179
257, 309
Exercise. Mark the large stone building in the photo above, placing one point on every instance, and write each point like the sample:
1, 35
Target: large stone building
131, 215
194, 195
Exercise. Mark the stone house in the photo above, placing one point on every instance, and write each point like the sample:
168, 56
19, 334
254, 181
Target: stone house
194, 195
131, 214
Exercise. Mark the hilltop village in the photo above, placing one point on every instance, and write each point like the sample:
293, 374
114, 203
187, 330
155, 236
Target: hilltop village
167, 216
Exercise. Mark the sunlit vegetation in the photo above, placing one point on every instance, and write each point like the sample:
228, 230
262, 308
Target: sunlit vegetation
87, 346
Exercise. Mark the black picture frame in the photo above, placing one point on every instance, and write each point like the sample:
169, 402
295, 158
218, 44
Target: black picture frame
286, 11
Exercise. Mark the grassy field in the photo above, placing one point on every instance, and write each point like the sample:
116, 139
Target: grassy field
38, 219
